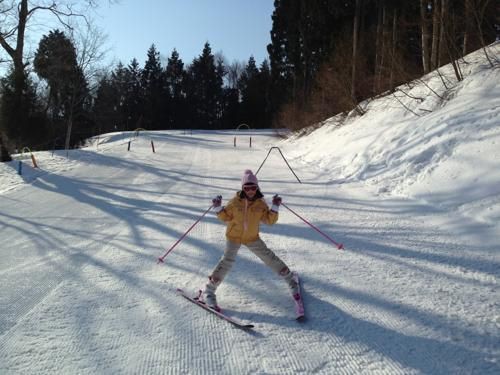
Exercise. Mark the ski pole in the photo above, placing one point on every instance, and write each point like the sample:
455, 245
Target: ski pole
160, 259
339, 245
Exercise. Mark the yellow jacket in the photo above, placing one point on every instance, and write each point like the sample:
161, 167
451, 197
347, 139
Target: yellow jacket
244, 216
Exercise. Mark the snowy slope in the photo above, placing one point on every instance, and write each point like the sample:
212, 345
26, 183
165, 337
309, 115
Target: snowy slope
415, 201
432, 141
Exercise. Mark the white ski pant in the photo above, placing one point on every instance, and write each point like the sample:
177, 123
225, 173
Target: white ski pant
260, 249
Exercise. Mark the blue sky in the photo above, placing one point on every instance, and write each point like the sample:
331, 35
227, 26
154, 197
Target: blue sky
238, 28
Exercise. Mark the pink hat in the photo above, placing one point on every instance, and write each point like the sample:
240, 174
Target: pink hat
249, 178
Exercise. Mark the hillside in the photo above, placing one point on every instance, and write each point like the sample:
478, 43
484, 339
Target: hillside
414, 199
434, 140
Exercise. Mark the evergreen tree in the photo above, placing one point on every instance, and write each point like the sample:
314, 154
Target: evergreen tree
133, 97
21, 117
255, 86
204, 90
104, 109
155, 93
231, 108
302, 37
281, 68
55, 61
232, 115
250, 94
109, 106
175, 75
120, 86
175, 80
4, 152
264, 84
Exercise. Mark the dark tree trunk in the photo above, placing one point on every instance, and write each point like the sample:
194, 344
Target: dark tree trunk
425, 36
436, 26
355, 38
393, 48
378, 49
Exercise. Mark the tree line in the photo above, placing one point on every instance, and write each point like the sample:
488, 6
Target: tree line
325, 57
328, 56
153, 96
206, 94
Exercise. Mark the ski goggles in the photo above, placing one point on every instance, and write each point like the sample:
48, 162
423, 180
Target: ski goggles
250, 187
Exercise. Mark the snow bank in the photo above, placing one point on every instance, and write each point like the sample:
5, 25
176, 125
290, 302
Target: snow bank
434, 139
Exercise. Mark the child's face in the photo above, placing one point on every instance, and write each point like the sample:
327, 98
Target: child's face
250, 190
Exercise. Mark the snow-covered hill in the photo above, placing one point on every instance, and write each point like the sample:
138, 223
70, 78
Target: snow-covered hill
436, 140
414, 199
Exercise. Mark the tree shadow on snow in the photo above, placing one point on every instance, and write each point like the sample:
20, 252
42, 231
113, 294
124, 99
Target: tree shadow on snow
336, 322
427, 355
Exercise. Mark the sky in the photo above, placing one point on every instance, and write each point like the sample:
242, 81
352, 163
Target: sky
411, 188
238, 28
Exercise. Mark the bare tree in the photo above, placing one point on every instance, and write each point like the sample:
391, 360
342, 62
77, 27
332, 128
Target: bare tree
90, 45
394, 44
378, 47
234, 71
478, 9
435, 33
444, 40
425, 35
355, 39
15, 15
468, 22
448, 47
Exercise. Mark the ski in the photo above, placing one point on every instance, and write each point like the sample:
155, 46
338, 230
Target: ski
221, 315
300, 314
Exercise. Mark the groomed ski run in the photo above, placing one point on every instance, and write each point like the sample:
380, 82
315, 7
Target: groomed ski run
414, 200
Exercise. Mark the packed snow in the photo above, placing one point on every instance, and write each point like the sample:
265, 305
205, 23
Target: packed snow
411, 188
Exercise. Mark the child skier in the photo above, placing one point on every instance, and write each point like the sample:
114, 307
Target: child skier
243, 215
